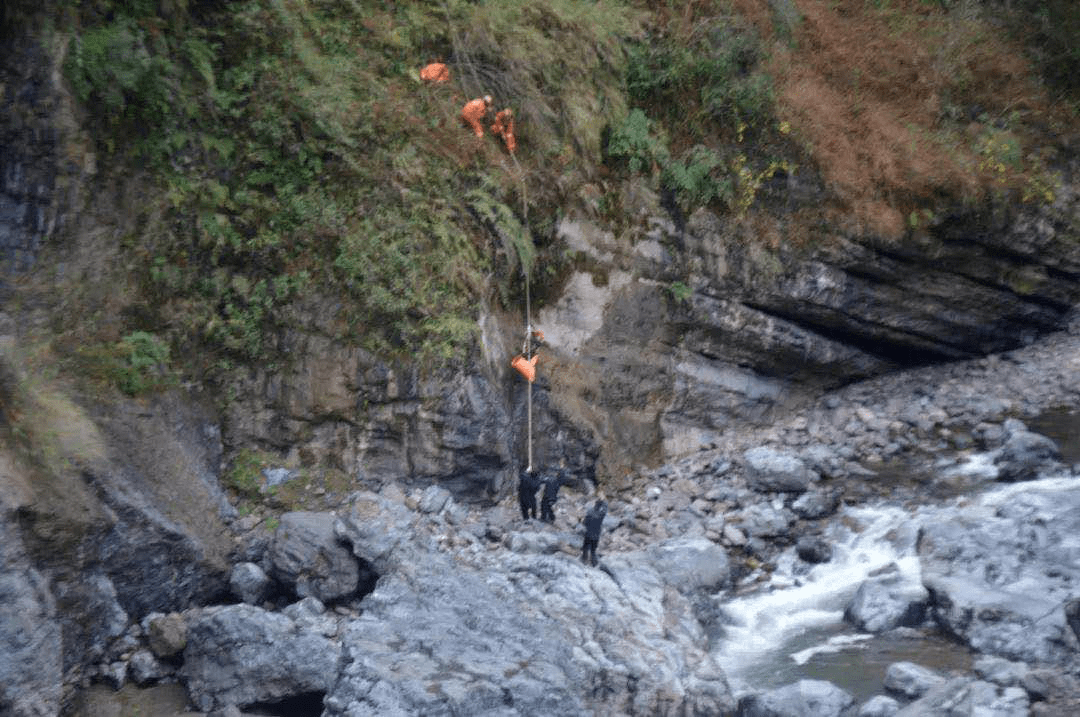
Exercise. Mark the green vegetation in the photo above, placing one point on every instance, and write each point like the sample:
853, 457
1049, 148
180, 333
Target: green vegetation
301, 158
244, 476
305, 171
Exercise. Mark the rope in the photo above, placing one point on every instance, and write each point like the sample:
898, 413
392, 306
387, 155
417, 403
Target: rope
527, 350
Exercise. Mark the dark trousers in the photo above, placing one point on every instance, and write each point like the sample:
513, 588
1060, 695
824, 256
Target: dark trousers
588, 551
547, 511
528, 505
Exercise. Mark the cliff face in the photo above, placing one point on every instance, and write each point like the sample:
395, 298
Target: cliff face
663, 333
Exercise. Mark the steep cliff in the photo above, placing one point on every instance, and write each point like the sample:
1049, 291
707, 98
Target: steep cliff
251, 233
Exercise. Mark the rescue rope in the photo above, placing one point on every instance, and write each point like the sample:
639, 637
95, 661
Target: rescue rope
525, 269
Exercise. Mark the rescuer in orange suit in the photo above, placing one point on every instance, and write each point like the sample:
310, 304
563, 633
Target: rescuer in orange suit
435, 72
475, 112
504, 127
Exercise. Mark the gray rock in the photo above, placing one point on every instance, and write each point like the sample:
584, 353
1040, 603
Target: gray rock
114, 674
886, 601
167, 634
30, 638
813, 549
879, 706
230, 711
434, 499
307, 556
768, 469
734, 536
1024, 454
241, 654
815, 504
1002, 672
249, 583
805, 698
910, 680
145, 669
999, 571
275, 477
964, 696
376, 528
543, 543
443, 636
690, 564
764, 521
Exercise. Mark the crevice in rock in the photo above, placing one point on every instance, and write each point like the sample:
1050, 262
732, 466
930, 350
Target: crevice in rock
307, 704
905, 355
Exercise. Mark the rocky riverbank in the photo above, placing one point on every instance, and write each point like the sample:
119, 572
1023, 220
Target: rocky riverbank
411, 602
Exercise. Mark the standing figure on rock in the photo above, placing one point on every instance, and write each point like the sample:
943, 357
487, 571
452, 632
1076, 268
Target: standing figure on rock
474, 113
594, 520
552, 483
528, 484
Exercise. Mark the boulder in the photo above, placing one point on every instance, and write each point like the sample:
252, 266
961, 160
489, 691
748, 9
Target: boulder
813, 549
815, 504
145, 669
249, 583
768, 469
242, 654
762, 520
805, 698
964, 696
167, 634
910, 680
878, 706
1024, 454
1000, 570
689, 564
1002, 672
307, 556
887, 600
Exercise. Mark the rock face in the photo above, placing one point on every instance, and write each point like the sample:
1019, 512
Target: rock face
999, 573
511, 633
30, 645
241, 654
109, 535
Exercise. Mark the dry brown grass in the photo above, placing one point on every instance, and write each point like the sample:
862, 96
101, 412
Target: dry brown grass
881, 95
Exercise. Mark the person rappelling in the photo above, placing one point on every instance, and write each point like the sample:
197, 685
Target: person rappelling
475, 112
504, 127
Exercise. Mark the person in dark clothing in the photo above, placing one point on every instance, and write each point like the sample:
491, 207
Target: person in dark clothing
594, 519
528, 484
552, 483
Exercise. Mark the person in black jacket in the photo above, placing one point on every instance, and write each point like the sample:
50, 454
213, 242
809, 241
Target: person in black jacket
552, 483
528, 484
594, 519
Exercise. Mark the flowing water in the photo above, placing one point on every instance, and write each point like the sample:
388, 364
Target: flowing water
793, 627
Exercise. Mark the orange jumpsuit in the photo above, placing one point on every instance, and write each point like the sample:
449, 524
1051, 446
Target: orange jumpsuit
473, 114
526, 367
435, 72
504, 126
